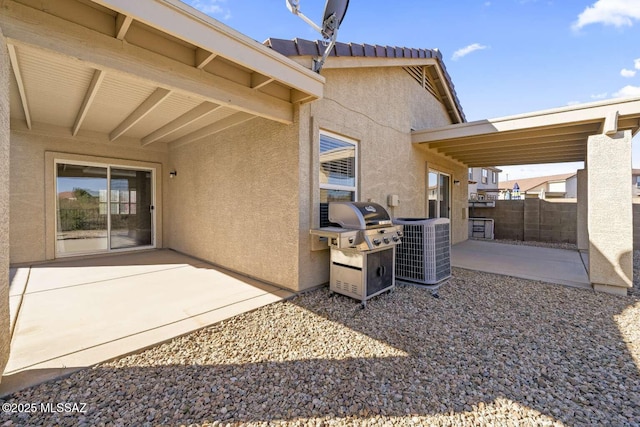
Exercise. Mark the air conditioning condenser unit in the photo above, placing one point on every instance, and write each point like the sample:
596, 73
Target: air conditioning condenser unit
424, 256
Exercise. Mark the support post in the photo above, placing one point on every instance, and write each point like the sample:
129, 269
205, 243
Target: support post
609, 212
5, 334
582, 238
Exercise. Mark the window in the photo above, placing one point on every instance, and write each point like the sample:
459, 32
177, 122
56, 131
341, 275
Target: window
338, 172
494, 177
638, 181
485, 176
471, 174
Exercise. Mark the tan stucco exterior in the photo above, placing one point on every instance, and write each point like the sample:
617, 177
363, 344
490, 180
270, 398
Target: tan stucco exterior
377, 107
234, 200
5, 335
610, 212
247, 197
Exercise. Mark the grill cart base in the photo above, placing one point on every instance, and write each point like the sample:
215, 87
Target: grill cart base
362, 275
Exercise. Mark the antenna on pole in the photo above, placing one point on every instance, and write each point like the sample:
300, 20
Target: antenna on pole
334, 11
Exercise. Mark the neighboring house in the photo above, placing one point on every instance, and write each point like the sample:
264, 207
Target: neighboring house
179, 132
561, 186
483, 184
635, 182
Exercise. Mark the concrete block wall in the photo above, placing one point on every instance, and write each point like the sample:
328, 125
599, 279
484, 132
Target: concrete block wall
533, 219
558, 222
508, 216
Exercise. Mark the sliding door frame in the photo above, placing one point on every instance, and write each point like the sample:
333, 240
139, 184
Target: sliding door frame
53, 159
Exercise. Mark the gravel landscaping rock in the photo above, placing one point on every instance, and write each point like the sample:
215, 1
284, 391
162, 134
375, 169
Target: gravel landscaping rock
491, 350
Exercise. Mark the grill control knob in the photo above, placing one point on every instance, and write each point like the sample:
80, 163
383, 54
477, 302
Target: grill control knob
376, 242
386, 240
396, 238
399, 233
351, 239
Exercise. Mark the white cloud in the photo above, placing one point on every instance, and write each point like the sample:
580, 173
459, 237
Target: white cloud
636, 64
210, 7
628, 92
467, 50
627, 73
599, 95
619, 13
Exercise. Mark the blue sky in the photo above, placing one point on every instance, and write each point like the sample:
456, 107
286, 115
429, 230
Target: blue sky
505, 57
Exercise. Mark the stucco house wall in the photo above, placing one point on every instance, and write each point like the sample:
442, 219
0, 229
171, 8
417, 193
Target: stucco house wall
234, 201
32, 219
5, 335
377, 107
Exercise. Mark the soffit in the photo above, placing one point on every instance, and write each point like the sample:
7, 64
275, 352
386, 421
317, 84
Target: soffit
87, 66
550, 136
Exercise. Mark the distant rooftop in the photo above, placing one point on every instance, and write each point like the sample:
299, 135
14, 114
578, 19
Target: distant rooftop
527, 184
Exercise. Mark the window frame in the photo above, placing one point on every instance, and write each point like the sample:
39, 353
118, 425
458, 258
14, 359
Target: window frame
356, 171
485, 176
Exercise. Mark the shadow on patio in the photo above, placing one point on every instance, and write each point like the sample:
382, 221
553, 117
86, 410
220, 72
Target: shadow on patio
491, 350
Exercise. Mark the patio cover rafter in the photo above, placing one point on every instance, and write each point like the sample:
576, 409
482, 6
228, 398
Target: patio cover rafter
550, 136
43, 31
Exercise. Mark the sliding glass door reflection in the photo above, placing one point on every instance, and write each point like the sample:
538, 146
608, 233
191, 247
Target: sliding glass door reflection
81, 209
102, 208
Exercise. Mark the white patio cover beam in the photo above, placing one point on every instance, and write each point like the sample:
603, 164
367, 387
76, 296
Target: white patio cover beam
186, 23
92, 91
213, 128
549, 136
186, 119
15, 65
139, 113
26, 26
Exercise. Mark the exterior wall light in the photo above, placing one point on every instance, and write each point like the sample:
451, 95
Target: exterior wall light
173, 174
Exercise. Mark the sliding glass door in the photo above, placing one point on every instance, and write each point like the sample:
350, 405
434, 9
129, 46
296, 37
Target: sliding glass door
439, 194
101, 208
131, 208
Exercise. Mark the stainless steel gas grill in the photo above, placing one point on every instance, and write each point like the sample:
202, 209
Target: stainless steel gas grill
363, 249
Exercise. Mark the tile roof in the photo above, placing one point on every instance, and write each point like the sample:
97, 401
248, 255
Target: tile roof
301, 47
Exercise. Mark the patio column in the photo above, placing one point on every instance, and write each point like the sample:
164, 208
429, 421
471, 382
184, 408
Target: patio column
582, 239
609, 212
5, 334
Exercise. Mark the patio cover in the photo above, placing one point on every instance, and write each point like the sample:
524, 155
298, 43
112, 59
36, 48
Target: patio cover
142, 72
550, 136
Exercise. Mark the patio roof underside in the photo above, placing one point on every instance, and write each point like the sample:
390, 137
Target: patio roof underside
550, 136
143, 72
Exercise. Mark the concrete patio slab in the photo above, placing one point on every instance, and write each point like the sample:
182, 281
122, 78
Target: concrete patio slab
77, 313
560, 266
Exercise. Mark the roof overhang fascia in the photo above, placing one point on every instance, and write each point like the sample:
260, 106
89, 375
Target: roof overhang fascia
582, 113
186, 23
549, 136
365, 61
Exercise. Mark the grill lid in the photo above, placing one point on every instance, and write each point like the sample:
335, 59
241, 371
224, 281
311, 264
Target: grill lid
358, 215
